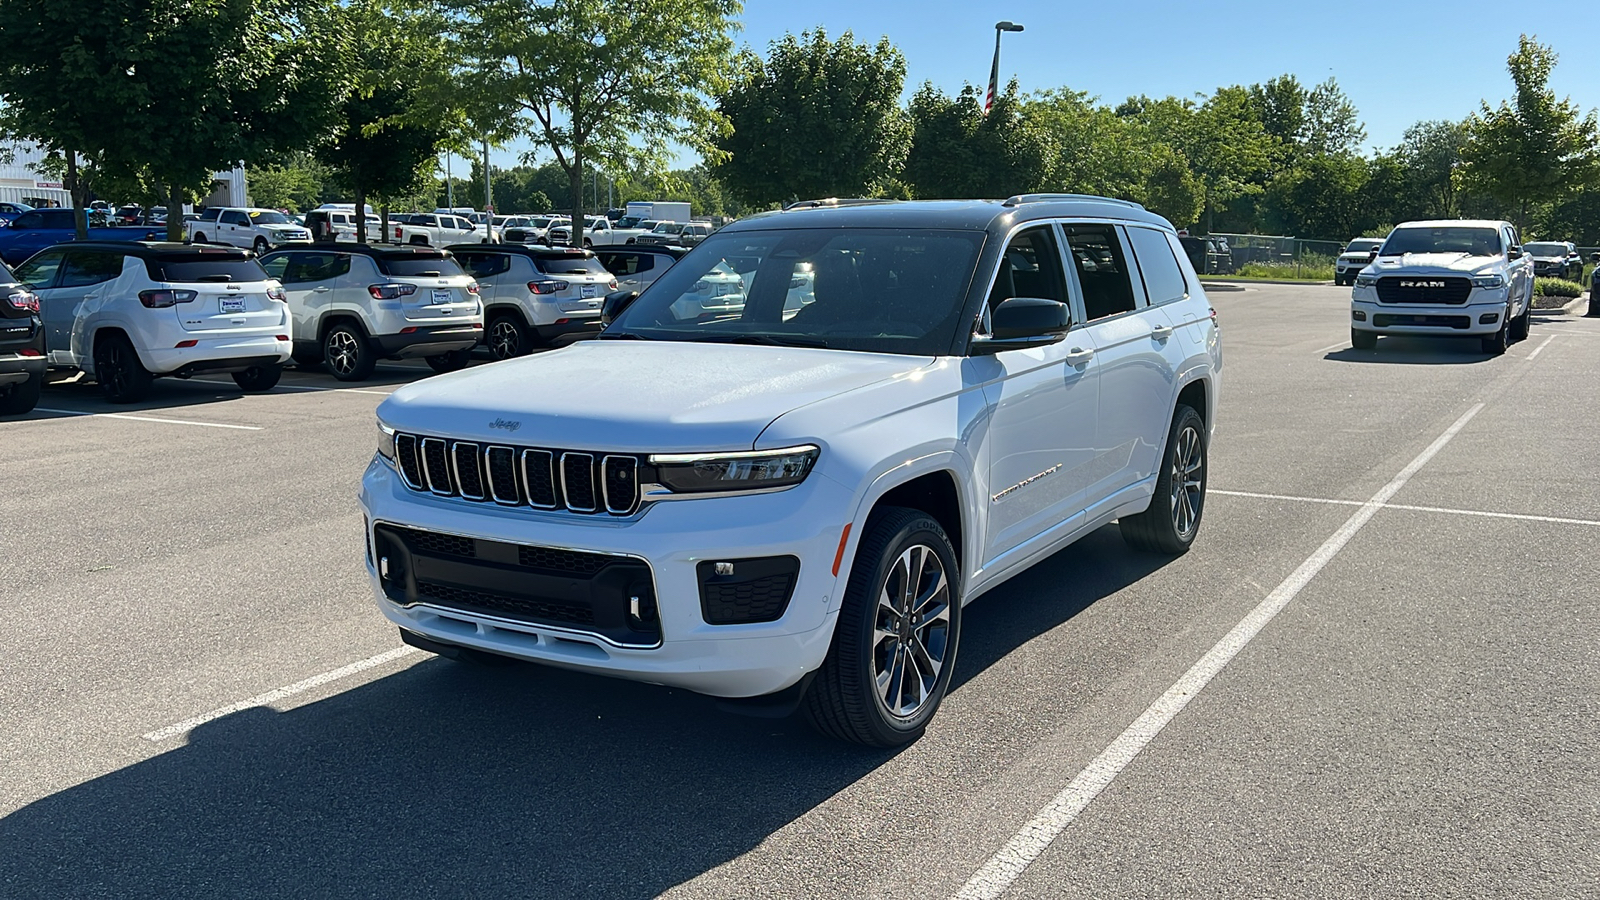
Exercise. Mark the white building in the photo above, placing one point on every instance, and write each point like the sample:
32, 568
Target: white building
22, 182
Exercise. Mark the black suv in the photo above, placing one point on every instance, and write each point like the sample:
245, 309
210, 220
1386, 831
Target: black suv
22, 359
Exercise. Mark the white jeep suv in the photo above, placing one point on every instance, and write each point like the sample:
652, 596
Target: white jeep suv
789, 505
533, 295
1455, 277
127, 312
354, 304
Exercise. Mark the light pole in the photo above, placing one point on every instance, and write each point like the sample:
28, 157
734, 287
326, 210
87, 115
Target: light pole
994, 71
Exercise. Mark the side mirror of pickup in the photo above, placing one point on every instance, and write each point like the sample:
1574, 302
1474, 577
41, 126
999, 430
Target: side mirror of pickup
614, 304
1513, 252
1023, 322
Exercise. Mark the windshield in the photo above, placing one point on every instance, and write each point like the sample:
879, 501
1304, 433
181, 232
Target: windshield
191, 268
419, 264
629, 222
1364, 245
669, 228
1445, 239
1545, 249
849, 289
571, 265
268, 217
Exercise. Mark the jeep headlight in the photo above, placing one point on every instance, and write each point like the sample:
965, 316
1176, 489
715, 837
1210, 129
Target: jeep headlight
708, 473
1488, 281
385, 441
1366, 280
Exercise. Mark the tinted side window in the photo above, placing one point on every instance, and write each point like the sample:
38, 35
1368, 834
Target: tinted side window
1030, 267
305, 268
40, 272
277, 265
84, 268
1163, 281
56, 218
419, 265
1102, 270
483, 265
234, 217
626, 263
29, 220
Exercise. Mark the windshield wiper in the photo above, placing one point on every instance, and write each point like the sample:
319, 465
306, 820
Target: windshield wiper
765, 340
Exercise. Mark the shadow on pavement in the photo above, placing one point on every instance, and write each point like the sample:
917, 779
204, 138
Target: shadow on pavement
446, 779
1408, 350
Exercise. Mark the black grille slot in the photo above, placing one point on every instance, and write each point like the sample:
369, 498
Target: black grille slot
1384, 320
565, 562
434, 542
499, 604
436, 466
538, 470
469, 471
502, 465
1407, 289
751, 590
577, 482
405, 450
620, 479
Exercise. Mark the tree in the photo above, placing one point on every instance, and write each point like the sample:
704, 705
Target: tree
957, 151
817, 118
1534, 149
608, 81
1228, 148
1428, 156
167, 90
1321, 197
295, 184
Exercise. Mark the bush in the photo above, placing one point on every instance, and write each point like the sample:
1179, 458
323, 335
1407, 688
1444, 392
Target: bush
1557, 287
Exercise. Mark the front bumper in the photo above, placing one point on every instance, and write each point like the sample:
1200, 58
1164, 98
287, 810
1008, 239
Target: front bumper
1481, 315
746, 660
219, 354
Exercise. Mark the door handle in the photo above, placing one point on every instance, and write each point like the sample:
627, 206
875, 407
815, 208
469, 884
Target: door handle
320, 290
1078, 356
1161, 332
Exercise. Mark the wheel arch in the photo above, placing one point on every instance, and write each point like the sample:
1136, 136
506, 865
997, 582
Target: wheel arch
331, 319
938, 484
494, 310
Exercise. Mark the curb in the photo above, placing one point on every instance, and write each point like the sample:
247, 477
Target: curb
1571, 307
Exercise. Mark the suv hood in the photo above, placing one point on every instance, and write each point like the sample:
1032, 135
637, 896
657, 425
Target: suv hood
636, 396
1437, 263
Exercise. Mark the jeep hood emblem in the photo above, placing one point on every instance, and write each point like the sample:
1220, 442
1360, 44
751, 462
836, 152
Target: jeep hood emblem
505, 425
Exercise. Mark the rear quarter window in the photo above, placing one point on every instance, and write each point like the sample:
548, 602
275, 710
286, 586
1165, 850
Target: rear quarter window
192, 269
1163, 280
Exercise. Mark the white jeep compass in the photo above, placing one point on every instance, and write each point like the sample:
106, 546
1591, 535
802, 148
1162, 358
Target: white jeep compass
1464, 278
788, 504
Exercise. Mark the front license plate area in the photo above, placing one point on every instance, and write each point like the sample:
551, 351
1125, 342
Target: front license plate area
439, 297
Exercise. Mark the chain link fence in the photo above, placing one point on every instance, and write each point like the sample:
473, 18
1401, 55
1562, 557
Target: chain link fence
1269, 256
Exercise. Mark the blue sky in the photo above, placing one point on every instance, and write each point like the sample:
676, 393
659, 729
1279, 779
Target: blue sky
1400, 61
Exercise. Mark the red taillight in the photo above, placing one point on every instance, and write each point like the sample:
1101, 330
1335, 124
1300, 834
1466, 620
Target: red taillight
473, 288
562, 321
283, 337
391, 291
27, 300
397, 232
478, 326
276, 293
164, 299
182, 344
410, 329
547, 287
28, 351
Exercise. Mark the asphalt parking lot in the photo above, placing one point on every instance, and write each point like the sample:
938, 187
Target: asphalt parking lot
1374, 675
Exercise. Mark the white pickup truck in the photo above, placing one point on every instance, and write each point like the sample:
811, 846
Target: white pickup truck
597, 232
435, 230
253, 229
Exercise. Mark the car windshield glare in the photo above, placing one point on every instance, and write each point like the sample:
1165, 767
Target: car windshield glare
873, 290
1471, 240
268, 217
1363, 245
1545, 249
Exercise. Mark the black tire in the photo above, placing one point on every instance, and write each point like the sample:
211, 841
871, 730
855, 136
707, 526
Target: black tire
454, 361
1363, 340
199, 238
588, 244
1520, 324
1173, 519
261, 247
418, 240
509, 337
21, 398
258, 378
347, 353
122, 378
1338, 280
1497, 343
844, 700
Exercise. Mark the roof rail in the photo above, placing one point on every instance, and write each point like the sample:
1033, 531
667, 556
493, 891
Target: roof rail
1019, 199
835, 202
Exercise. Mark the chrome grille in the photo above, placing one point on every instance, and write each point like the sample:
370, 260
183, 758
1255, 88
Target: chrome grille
519, 476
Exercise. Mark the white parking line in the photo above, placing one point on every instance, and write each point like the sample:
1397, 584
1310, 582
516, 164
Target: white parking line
1332, 347
131, 418
298, 387
1557, 520
1540, 349
1006, 865
177, 728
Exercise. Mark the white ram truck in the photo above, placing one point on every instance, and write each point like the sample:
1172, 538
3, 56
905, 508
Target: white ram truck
436, 230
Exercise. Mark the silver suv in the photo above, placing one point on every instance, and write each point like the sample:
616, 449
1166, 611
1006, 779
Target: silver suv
534, 295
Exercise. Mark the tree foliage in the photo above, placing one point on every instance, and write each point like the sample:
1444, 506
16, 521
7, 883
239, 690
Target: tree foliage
816, 118
612, 82
958, 151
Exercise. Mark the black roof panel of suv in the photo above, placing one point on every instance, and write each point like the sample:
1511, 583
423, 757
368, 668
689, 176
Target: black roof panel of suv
162, 249
387, 252
533, 251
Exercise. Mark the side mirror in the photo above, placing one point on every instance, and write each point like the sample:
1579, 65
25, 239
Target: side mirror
1594, 257
1023, 322
1373, 256
1513, 252
614, 304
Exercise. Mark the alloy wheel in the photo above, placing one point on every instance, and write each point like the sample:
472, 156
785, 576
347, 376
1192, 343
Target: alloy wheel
1188, 476
504, 339
113, 370
911, 638
342, 352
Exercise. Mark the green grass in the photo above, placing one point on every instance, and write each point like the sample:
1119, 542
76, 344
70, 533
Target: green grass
1310, 270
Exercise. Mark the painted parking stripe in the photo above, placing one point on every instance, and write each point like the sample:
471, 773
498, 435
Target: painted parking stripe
1006, 865
132, 418
270, 697
1540, 349
1524, 517
1331, 347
